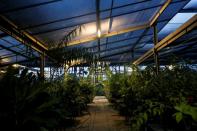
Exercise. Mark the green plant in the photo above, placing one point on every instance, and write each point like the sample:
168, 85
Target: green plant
87, 89
185, 109
145, 98
74, 95
26, 105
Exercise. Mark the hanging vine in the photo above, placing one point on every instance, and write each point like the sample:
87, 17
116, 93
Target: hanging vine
67, 56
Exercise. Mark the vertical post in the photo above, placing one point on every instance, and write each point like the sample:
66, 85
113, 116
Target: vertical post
42, 65
75, 70
83, 72
50, 71
98, 25
124, 69
156, 59
119, 68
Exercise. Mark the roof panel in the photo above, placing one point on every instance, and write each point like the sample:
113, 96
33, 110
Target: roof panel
8, 41
173, 9
105, 4
191, 5
53, 11
10, 4
139, 6
134, 19
4, 52
51, 21
178, 20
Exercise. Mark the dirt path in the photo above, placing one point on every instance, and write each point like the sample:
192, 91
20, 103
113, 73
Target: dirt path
101, 117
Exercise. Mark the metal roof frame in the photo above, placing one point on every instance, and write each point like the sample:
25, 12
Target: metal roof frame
23, 35
185, 28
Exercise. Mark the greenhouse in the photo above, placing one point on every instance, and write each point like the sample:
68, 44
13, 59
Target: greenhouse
98, 65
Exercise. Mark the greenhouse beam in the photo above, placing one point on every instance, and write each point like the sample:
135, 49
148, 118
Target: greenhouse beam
129, 38
129, 29
79, 16
98, 24
42, 65
88, 39
11, 29
154, 19
184, 29
155, 39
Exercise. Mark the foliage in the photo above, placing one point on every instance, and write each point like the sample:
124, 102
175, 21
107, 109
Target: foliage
187, 110
99, 89
145, 98
28, 103
66, 55
62, 54
74, 94
87, 89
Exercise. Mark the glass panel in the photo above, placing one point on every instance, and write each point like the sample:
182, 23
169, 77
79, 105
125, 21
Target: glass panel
191, 5
54, 11
178, 20
4, 52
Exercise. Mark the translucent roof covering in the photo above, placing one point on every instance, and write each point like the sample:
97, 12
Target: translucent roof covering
126, 33
178, 20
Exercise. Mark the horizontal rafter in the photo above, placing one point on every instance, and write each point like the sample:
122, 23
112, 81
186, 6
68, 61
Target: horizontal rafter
11, 29
129, 29
125, 39
88, 39
185, 28
105, 18
79, 16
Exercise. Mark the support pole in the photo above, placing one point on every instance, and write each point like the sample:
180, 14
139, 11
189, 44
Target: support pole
42, 65
156, 59
50, 72
119, 68
75, 70
124, 69
98, 22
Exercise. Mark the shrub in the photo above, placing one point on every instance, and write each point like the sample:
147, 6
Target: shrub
30, 104
146, 99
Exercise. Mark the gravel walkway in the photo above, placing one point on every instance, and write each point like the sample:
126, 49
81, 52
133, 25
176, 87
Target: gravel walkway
101, 117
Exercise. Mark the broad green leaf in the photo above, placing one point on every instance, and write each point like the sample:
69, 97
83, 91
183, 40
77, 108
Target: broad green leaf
145, 116
178, 116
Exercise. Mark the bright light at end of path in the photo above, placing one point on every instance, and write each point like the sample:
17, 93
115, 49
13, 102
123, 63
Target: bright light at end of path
99, 33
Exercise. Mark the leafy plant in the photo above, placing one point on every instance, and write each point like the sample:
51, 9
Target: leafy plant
145, 98
74, 94
28, 103
185, 109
